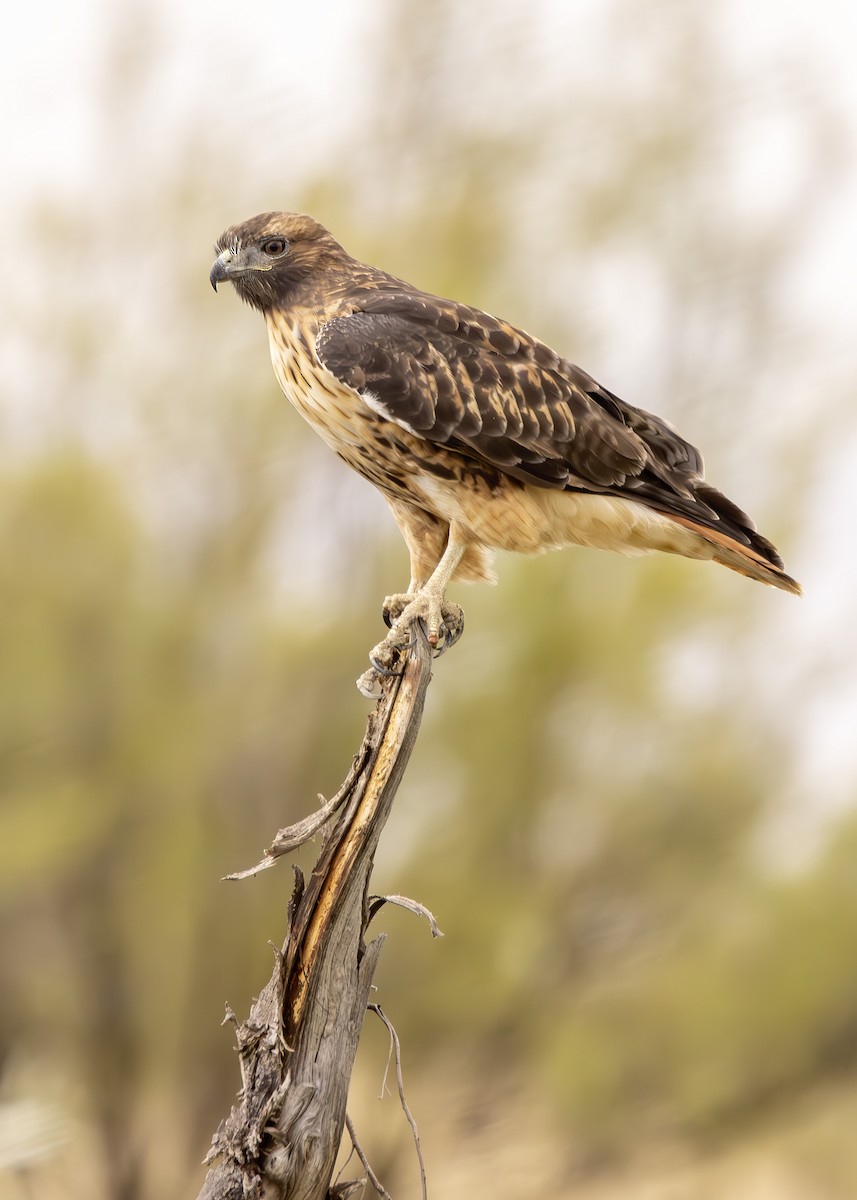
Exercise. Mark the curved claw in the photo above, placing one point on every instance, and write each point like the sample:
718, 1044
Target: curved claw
443, 645
451, 629
380, 669
394, 606
441, 621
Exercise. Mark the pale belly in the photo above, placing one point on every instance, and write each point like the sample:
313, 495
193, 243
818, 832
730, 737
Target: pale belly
531, 520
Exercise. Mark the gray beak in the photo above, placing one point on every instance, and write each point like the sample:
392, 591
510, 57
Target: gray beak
220, 271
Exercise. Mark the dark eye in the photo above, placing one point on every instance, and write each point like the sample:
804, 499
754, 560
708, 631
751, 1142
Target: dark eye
274, 246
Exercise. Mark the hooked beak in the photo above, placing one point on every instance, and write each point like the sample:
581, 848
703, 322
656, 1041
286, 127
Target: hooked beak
220, 271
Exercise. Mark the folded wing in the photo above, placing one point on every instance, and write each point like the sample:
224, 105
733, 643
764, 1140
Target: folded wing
484, 389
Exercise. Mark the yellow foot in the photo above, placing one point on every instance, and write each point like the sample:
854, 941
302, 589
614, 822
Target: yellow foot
443, 623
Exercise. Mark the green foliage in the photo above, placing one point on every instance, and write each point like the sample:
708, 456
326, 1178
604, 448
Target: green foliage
150, 735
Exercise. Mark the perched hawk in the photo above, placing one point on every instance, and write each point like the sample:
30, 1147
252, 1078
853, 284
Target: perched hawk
479, 436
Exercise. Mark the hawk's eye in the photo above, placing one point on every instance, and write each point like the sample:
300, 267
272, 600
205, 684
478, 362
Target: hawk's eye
274, 246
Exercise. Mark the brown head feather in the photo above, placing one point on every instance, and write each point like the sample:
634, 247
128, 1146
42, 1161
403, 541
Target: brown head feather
267, 281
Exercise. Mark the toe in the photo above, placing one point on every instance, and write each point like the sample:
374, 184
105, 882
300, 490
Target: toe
369, 685
432, 620
452, 627
394, 606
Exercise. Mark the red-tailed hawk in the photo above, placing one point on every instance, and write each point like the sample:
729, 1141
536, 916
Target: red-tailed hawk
479, 436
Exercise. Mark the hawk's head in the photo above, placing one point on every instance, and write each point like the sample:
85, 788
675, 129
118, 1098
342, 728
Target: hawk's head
267, 257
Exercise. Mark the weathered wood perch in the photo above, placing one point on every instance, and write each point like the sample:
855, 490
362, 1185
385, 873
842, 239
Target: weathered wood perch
296, 1049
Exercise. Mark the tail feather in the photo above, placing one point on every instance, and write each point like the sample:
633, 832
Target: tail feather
671, 483
729, 531
757, 559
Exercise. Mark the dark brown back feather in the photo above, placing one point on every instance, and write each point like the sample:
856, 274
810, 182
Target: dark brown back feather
486, 390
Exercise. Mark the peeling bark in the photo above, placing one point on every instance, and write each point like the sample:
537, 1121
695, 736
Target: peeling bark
296, 1049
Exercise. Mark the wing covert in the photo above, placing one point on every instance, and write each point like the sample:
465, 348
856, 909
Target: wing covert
484, 389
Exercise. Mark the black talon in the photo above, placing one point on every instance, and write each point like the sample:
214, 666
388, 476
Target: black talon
393, 607
452, 629
443, 645
385, 671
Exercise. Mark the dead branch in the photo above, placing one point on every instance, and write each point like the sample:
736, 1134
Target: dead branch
358, 1150
296, 1049
396, 1047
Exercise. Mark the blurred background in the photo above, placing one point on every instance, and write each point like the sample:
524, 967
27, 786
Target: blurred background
632, 804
